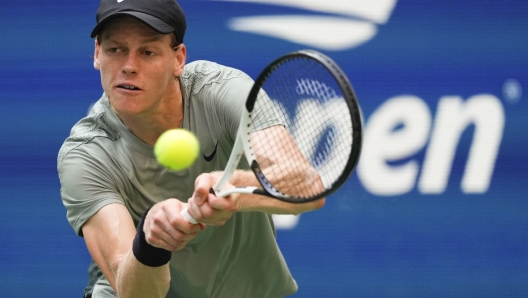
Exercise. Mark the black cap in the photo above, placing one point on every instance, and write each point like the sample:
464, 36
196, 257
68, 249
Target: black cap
164, 16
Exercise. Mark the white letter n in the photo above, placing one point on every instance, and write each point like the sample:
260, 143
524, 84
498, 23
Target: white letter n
452, 118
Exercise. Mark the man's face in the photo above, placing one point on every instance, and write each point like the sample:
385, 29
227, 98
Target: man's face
138, 66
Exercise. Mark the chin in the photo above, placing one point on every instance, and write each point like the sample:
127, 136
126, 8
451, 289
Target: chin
128, 106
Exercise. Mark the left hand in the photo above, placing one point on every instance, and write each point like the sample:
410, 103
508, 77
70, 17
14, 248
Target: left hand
164, 227
207, 208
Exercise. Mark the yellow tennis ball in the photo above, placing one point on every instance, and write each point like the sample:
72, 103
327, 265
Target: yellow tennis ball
177, 149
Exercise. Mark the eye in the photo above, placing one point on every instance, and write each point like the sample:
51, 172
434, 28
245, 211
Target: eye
113, 50
148, 53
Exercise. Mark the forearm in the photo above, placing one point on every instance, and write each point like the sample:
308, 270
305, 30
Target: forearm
144, 271
134, 279
250, 202
109, 236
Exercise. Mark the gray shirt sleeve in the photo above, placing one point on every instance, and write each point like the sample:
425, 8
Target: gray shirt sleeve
86, 187
231, 99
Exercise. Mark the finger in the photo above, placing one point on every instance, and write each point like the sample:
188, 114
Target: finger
171, 239
179, 223
195, 210
214, 216
160, 232
164, 231
228, 203
158, 238
202, 185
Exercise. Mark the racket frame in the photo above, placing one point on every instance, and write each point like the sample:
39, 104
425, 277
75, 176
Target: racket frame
355, 113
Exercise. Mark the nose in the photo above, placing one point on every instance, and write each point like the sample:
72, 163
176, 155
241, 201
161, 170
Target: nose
131, 64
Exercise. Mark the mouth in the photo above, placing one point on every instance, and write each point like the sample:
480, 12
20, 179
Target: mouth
128, 87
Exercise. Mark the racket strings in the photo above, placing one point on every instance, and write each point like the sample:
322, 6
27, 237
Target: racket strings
306, 153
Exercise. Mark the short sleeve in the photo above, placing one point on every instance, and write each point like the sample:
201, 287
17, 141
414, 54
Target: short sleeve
233, 95
86, 187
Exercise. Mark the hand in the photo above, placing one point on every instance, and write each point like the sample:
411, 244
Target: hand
207, 208
164, 227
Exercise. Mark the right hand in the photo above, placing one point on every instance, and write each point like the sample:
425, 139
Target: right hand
164, 227
207, 208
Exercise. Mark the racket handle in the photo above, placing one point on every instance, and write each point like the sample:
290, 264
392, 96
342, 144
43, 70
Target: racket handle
187, 216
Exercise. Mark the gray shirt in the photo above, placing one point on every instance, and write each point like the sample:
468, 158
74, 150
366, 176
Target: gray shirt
102, 162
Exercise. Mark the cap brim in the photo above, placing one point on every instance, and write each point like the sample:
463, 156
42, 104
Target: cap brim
153, 22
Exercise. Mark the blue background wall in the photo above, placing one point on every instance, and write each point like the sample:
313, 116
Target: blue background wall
449, 244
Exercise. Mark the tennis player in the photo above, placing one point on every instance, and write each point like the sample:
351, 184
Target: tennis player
127, 206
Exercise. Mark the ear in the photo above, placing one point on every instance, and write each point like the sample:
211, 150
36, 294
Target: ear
97, 65
180, 55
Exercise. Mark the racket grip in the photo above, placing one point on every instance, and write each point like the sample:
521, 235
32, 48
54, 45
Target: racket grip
187, 216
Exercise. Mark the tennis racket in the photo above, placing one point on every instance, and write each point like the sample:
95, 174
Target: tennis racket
301, 131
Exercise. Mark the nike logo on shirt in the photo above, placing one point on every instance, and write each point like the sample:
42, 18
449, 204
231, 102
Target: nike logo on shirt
210, 157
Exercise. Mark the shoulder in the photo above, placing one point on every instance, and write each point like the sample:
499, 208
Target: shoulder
200, 73
95, 125
211, 70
